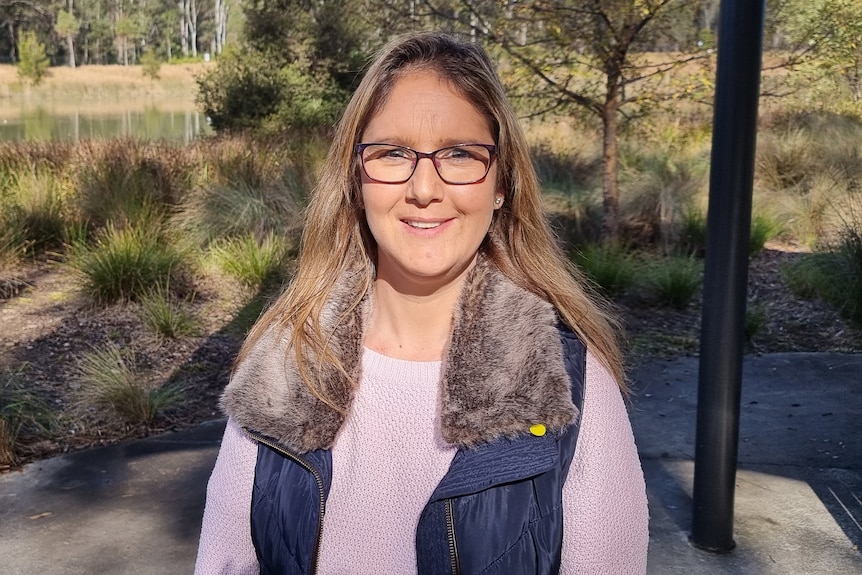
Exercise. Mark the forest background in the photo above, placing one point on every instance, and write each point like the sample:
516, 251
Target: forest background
134, 268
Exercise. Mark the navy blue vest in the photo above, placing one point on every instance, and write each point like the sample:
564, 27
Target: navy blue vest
498, 509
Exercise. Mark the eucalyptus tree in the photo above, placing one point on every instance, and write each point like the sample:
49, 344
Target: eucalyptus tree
68, 27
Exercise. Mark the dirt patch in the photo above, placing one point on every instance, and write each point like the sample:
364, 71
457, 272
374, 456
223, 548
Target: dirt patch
47, 327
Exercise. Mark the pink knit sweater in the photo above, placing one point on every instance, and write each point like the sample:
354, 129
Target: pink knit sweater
378, 494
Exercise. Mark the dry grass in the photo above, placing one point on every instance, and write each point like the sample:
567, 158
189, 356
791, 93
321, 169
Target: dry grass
99, 86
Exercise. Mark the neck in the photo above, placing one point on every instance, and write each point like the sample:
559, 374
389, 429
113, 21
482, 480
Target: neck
410, 326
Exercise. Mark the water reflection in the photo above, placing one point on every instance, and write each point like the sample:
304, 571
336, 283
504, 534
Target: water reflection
150, 123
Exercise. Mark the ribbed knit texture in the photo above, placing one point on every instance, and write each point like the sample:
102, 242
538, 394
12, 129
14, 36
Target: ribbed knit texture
392, 431
378, 494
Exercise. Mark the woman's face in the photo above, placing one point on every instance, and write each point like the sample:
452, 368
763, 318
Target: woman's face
428, 232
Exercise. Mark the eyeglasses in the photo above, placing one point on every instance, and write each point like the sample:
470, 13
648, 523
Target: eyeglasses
457, 165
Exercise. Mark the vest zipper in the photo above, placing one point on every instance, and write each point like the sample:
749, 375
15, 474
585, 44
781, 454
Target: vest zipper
450, 533
317, 477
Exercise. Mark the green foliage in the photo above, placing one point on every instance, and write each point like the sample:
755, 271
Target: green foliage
150, 64
830, 31
165, 314
67, 24
674, 281
33, 61
257, 264
252, 187
110, 382
764, 227
834, 276
124, 180
661, 180
249, 90
692, 234
301, 63
610, 268
755, 319
125, 263
38, 210
20, 413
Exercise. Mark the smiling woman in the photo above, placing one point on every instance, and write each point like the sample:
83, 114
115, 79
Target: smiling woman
435, 391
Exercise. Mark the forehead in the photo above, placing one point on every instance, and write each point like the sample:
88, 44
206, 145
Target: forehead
422, 103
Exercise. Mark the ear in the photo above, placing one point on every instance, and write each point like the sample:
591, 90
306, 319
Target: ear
498, 201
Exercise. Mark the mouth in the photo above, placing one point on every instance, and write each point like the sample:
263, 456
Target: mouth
423, 225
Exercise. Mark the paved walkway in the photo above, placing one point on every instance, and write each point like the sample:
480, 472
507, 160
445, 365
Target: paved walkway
135, 508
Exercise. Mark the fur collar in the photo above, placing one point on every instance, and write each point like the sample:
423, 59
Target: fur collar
502, 372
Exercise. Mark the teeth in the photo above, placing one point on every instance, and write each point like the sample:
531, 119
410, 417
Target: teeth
424, 225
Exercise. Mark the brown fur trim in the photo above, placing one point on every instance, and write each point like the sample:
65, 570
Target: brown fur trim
503, 371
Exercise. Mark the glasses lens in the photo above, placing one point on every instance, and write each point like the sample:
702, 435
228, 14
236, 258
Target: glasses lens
388, 164
463, 164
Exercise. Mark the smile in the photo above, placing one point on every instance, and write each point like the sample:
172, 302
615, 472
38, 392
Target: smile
423, 225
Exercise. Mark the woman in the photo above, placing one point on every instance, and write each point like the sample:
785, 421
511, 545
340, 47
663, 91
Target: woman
434, 382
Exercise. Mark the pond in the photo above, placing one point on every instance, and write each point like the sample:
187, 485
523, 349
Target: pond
151, 122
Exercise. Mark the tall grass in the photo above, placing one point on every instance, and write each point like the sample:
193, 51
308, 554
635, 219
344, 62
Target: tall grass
165, 314
20, 413
610, 268
125, 263
662, 180
244, 189
120, 181
674, 281
110, 382
255, 263
834, 276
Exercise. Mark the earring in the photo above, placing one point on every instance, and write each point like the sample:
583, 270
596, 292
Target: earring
498, 200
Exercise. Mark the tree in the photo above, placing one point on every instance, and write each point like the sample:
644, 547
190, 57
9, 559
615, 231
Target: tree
33, 63
68, 26
150, 64
829, 33
301, 61
584, 54
126, 30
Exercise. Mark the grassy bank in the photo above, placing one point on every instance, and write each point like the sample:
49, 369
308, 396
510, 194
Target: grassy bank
98, 86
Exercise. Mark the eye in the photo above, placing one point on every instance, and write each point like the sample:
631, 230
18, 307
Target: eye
460, 153
388, 153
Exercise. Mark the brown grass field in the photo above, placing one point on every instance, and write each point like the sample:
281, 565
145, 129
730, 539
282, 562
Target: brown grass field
101, 87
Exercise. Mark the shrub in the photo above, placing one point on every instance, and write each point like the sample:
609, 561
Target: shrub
38, 209
755, 319
245, 192
110, 382
610, 268
674, 281
125, 263
835, 276
33, 61
255, 263
123, 180
150, 64
167, 316
20, 412
763, 228
692, 234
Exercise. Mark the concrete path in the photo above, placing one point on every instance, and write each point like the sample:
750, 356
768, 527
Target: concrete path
136, 508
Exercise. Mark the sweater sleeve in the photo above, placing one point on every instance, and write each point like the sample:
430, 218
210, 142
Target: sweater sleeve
225, 544
605, 515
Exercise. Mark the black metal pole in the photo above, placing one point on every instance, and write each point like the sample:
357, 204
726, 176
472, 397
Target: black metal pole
740, 40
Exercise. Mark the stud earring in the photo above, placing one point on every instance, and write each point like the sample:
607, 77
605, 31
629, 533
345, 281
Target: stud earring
498, 200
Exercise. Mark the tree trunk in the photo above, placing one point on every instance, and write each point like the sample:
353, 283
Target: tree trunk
193, 27
71, 46
610, 180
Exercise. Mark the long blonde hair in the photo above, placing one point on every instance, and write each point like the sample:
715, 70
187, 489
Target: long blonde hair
336, 239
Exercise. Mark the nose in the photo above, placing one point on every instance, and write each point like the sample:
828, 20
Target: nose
425, 186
